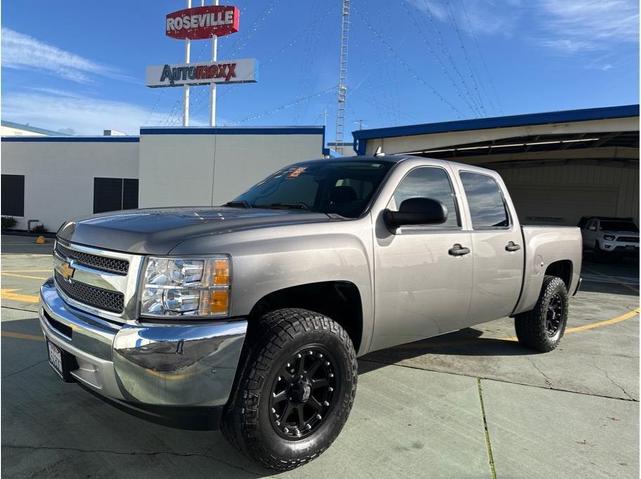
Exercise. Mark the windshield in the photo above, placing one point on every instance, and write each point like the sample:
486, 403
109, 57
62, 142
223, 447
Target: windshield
333, 186
618, 226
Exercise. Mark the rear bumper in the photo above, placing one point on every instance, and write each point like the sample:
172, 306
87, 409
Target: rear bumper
153, 364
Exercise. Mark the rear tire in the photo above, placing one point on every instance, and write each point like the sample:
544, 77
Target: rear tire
542, 328
284, 420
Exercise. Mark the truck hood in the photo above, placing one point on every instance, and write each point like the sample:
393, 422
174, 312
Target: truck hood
158, 231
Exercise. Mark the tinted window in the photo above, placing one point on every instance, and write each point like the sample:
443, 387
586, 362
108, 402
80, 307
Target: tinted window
113, 194
484, 197
129, 194
618, 226
431, 183
332, 186
13, 195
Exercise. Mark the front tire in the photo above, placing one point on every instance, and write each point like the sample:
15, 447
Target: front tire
542, 328
295, 389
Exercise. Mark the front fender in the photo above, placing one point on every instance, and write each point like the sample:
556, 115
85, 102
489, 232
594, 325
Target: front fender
272, 259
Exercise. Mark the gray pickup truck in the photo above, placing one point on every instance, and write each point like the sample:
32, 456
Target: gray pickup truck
257, 310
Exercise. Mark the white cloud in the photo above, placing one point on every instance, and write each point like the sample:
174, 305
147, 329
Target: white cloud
20, 51
486, 17
431, 7
583, 25
59, 110
568, 26
566, 45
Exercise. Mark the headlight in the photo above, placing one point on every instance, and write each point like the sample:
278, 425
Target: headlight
186, 287
608, 237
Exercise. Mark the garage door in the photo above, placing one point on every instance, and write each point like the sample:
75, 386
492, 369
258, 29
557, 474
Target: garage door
562, 205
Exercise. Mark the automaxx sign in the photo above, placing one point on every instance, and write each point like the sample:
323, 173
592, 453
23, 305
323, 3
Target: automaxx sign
230, 71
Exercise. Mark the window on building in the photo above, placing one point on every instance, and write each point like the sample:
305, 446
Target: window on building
13, 195
113, 194
486, 202
429, 182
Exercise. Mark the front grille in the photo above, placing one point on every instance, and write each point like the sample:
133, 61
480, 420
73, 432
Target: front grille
102, 263
92, 296
628, 239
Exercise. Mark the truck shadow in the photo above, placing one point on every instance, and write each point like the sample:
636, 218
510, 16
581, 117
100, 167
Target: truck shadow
466, 342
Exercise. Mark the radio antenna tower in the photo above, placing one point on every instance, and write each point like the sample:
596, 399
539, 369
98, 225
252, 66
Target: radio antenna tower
342, 77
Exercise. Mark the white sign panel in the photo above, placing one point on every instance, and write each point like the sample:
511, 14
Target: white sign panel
230, 71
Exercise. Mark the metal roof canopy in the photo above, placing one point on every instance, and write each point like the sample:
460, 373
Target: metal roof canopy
511, 135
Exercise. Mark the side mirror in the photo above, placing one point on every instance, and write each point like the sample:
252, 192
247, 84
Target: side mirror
416, 211
592, 228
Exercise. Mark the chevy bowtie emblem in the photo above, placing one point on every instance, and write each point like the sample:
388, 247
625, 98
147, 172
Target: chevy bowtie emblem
66, 271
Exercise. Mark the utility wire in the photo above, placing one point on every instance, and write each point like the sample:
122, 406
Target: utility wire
447, 52
406, 66
460, 89
468, 61
285, 106
493, 91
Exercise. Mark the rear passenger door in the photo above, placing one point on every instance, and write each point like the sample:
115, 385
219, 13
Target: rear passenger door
497, 248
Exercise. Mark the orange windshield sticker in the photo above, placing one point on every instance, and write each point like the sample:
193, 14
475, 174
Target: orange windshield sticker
296, 172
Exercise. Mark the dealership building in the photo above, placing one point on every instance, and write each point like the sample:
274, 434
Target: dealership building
558, 166
54, 178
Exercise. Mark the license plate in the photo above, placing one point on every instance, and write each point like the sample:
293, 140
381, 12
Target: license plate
55, 358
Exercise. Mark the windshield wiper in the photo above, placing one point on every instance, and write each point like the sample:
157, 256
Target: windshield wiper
288, 206
238, 204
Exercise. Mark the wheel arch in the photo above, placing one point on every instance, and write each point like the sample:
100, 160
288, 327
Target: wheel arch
561, 269
338, 300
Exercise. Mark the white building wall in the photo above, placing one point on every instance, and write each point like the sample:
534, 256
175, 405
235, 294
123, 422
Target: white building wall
568, 191
177, 169
191, 167
59, 175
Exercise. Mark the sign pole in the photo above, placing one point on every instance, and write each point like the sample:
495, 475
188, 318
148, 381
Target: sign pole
186, 87
212, 88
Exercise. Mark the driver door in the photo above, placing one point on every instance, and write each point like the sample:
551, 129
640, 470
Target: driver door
423, 287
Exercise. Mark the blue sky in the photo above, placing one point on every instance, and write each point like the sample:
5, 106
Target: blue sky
80, 65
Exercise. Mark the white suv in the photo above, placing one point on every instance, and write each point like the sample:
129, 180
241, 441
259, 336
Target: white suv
610, 235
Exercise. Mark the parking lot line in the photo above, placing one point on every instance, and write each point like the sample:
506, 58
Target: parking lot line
29, 270
30, 337
24, 298
597, 324
23, 244
27, 276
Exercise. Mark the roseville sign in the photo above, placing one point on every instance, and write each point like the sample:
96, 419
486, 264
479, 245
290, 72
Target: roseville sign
231, 71
202, 22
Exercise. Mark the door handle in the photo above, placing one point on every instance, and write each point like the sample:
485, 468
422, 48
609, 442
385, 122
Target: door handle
458, 250
512, 246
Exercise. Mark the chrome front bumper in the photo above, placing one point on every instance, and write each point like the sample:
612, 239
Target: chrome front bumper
153, 364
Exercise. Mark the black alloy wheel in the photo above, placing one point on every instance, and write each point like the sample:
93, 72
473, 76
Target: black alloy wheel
542, 328
294, 389
303, 392
554, 315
